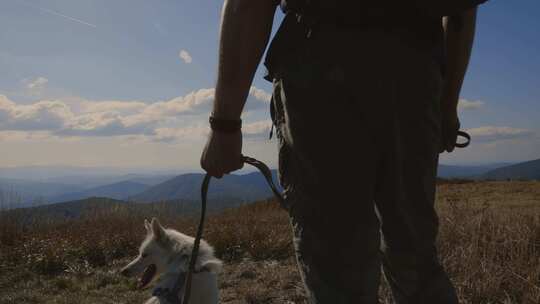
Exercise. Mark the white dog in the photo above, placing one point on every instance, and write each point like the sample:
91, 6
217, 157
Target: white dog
164, 257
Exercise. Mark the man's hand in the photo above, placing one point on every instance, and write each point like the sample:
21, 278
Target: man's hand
222, 153
450, 127
245, 29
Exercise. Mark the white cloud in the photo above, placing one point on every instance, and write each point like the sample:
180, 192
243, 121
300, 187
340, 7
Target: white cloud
260, 94
465, 104
183, 104
111, 105
165, 121
102, 124
493, 133
254, 130
178, 134
38, 83
257, 130
185, 56
5, 108
42, 115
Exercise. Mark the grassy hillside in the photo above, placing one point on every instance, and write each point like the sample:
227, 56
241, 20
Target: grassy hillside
489, 242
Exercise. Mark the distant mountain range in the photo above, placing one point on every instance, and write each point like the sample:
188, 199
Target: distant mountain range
229, 190
94, 181
121, 191
449, 171
95, 206
529, 170
246, 187
74, 174
65, 210
25, 193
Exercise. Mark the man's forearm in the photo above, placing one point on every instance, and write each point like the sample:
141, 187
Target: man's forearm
245, 30
459, 32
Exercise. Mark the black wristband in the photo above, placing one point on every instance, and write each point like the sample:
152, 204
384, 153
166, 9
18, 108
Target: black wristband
225, 125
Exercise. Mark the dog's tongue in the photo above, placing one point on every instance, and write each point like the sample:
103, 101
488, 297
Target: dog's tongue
147, 276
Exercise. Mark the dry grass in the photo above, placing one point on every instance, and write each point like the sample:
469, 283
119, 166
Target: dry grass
489, 242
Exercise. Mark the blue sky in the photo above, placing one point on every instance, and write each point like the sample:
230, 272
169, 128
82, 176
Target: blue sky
129, 84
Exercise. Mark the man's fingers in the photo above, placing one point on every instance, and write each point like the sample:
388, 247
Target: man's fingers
233, 166
215, 173
449, 140
238, 165
451, 144
211, 168
218, 171
442, 145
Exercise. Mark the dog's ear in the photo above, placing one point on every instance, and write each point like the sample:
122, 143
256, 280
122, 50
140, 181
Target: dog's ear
157, 230
147, 226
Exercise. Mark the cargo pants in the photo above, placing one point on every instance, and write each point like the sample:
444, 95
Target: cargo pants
358, 125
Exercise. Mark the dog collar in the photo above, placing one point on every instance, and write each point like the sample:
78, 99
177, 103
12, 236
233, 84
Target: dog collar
171, 294
167, 294
203, 269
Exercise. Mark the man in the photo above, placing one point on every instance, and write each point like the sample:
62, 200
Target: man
365, 97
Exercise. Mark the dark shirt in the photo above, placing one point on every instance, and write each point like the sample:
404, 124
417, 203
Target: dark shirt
417, 22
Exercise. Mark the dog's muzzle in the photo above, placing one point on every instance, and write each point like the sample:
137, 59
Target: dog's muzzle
147, 276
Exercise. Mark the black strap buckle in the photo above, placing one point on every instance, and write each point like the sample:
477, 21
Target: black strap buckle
467, 138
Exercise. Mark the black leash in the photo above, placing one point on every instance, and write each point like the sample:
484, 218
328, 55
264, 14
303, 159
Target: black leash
263, 168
